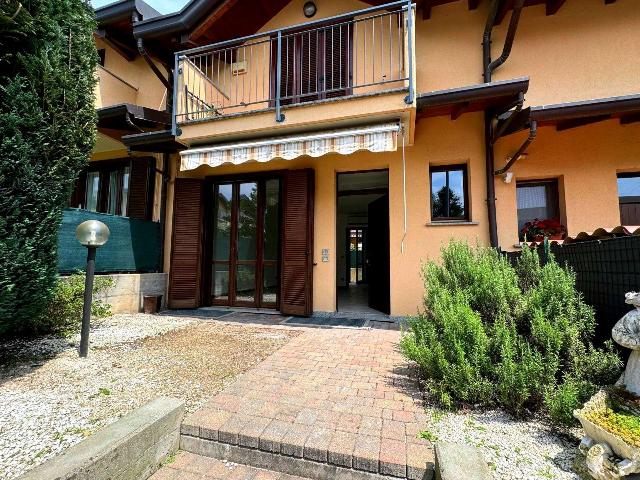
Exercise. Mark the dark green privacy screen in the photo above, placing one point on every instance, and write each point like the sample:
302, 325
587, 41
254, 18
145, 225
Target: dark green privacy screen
134, 245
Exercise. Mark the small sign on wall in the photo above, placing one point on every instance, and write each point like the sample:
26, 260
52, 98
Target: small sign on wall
325, 254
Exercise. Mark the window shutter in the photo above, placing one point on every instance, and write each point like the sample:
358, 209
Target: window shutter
77, 199
290, 64
337, 59
309, 80
297, 243
186, 250
141, 186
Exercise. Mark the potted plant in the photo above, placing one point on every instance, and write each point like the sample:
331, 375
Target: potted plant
537, 230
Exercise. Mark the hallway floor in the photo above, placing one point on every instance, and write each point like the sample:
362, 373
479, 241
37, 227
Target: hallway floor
355, 299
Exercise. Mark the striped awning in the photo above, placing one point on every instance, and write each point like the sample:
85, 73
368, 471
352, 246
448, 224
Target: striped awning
377, 138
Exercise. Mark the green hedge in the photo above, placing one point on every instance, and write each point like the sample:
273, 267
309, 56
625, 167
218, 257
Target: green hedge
133, 246
47, 118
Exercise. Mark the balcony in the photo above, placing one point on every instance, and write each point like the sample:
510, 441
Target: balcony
360, 54
113, 90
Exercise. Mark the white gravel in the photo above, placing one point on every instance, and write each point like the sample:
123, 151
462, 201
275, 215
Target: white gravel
514, 449
37, 420
51, 399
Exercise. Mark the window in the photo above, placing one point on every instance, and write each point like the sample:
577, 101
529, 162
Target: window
537, 200
629, 197
449, 193
106, 189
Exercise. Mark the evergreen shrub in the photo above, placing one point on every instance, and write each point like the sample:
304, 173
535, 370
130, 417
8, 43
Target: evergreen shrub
495, 334
47, 123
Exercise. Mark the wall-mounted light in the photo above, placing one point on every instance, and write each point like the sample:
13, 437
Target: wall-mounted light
309, 9
507, 177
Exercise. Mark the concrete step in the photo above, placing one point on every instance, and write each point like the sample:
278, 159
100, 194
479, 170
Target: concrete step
304, 450
187, 466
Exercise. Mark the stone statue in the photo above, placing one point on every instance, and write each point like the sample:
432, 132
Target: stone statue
627, 333
607, 455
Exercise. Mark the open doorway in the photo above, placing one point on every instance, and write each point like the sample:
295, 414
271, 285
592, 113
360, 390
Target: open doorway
363, 242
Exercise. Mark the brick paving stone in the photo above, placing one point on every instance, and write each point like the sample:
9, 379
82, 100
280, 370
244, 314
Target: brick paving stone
317, 444
292, 443
366, 453
419, 459
338, 396
393, 458
272, 435
340, 450
394, 430
211, 422
230, 431
249, 435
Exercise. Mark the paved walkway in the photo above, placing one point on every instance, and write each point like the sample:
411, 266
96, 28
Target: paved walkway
330, 398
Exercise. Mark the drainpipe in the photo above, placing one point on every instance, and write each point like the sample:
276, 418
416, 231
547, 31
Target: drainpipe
488, 67
533, 131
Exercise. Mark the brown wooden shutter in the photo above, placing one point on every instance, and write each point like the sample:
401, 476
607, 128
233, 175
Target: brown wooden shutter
141, 186
297, 243
186, 251
337, 61
78, 196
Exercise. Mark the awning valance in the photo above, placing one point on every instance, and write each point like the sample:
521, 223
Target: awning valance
378, 138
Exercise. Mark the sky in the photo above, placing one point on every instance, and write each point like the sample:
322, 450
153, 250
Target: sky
163, 6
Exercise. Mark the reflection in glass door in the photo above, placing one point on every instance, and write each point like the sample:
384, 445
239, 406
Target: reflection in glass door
246, 243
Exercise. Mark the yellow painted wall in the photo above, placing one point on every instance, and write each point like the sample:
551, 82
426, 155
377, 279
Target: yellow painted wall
124, 81
586, 50
585, 161
438, 142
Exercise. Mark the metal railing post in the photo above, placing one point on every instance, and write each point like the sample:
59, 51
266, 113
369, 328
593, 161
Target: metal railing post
174, 100
279, 115
409, 98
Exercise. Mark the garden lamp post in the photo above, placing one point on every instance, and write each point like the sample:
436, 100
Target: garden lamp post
92, 234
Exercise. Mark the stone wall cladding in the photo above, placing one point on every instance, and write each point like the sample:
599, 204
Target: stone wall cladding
130, 288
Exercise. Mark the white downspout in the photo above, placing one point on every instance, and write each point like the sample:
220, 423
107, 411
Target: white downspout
404, 192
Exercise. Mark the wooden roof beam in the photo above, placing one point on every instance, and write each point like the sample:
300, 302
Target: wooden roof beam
581, 122
631, 118
552, 6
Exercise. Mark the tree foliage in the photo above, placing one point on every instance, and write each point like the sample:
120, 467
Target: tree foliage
47, 119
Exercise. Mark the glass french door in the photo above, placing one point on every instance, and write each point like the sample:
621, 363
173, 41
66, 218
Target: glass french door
245, 243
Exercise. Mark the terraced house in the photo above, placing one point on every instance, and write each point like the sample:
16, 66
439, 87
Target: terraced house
307, 156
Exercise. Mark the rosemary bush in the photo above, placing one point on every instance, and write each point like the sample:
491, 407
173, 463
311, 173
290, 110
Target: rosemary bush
494, 334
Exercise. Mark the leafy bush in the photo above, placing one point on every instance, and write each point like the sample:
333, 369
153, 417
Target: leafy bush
47, 119
64, 311
516, 336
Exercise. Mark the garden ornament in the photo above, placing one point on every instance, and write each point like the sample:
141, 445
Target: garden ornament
609, 453
627, 333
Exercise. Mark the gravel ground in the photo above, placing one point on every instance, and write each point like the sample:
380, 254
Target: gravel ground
51, 399
514, 449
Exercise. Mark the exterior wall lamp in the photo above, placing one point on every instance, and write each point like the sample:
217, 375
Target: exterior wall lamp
91, 234
309, 9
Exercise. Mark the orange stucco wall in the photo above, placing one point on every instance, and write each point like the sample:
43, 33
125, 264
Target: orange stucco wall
124, 81
438, 141
587, 50
585, 161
